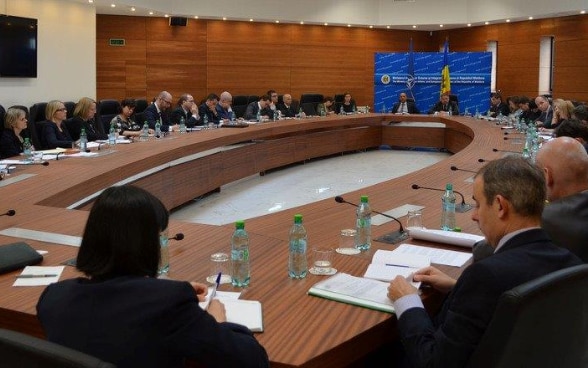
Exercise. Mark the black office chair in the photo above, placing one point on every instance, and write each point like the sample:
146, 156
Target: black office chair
309, 108
36, 117
542, 323
140, 105
70, 106
107, 109
2, 113
24, 351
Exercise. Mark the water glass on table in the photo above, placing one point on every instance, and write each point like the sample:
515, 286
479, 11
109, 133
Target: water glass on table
414, 220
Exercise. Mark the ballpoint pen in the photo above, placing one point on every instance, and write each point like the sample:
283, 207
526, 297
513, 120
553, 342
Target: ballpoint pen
35, 276
217, 283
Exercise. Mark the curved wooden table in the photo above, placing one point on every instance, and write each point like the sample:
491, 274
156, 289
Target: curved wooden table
300, 330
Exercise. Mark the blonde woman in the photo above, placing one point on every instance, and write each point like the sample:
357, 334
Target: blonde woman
54, 132
11, 139
83, 117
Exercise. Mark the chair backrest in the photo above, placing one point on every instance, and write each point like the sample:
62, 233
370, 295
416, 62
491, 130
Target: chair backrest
107, 109
37, 112
140, 105
23, 108
70, 106
252, 98
454, 99
309, 108
2, 113
24, 351
542, 323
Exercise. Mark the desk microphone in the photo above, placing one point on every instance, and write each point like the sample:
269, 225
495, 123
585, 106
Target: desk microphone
497, 150
460, 208
9, 213
455, 168
482, 160
513, 139
42, 163
178, 237
391, 238
57, 156
507, 133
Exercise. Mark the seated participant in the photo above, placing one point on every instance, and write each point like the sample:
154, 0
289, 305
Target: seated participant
544, 107
497, 107
562, 110
565, 164
257, 106
223, 109
348, 105
123, 122
575, 129
327, 105
208, 109
186, 109
158, 110
445, 106
286, 108
529, 110
509, 194
54, 133
404, 107
11, 139
121, 313
273, 105
514, 107
581, 113
83, 117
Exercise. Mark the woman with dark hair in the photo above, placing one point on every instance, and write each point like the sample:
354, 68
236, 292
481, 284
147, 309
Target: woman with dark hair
348, 105
123, 122
123, 314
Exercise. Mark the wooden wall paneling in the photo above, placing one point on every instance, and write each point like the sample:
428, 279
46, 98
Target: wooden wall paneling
275, 153
413, 136
239, 162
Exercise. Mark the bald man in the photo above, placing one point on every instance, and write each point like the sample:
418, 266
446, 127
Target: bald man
158, 111
565, 165
286, 107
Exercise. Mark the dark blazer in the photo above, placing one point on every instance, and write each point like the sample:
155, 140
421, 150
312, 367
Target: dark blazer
500, 108
287, 111
75, 125
143, 322
347, 108
180, 113
251, 111
212, 115
151, 115
530, 115
546, 117
222, 113
451, 105
52, 138
10, 144
456, 331
410, 106
565, 221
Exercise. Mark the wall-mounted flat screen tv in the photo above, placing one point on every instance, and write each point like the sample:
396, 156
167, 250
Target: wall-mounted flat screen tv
18, 47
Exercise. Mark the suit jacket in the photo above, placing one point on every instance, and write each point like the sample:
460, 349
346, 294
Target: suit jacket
500, 108
151, 115
180, 113
143, 322
410, 106
287, 111
451, 105
210, 114
452, 337
10, 144
75, 125
546, 117
565, 221
222, 113
52, 138
251, 111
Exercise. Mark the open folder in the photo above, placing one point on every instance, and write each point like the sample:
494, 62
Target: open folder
386, 265
244, 312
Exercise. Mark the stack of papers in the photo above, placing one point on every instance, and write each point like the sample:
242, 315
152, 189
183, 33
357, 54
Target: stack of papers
446, 237
386, 265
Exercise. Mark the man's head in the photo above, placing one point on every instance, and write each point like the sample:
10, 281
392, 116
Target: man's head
444, 98
264, 101
273, 95
509, 194
495, 99
226, 100
186, 101
211, 101
542, 103
164, 100
402, 97
564, 162
581, 113
287, 99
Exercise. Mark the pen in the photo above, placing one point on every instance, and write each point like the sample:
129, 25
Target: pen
217, 283
397, 265
35, 276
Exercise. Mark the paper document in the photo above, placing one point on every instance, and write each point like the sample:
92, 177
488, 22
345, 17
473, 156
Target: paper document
446, 237
386, 265
244, 312
354, 290
439, 256
38, 275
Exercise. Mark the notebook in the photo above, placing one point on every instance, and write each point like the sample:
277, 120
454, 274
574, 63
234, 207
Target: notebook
248, 313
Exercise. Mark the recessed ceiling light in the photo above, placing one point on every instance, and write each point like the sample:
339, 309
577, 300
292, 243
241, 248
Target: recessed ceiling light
166, 15
486, 22
113, 5
301, 22
150, 13
224, 18
277, 21
133, 8
440, 25
91, 1
414, 26
508, 21
469, 24
530, 18
195, 17
326, 24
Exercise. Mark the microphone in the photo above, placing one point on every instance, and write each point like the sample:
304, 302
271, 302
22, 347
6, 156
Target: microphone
497, 150
9, 213
460, 208
390, 238
178, 237
482, 160
42, 163
455, 168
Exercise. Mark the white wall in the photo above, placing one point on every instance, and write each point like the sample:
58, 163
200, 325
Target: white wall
66, 53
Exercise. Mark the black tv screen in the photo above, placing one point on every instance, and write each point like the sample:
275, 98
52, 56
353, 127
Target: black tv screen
18, 47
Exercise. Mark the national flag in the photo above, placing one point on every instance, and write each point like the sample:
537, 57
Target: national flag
445, 80
410, 80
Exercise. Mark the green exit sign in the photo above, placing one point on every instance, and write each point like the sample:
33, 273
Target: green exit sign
116, 42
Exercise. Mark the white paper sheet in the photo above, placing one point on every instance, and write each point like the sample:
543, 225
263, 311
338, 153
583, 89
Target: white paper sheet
438, 256
43, 274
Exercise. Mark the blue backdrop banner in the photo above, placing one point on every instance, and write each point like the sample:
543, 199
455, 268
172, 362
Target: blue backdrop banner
469, 75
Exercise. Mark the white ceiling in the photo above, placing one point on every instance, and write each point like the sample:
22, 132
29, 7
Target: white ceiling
426, 15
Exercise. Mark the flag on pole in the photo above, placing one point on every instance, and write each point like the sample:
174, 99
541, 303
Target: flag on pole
445, 80
410, 81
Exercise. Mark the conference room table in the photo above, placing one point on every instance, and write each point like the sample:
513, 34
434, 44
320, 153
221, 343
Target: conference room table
299, 330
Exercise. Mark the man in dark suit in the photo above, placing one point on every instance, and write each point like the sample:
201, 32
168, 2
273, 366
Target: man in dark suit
257, 106
208, 109
223, 109
186, 110
404, 107
544, 105
509, 194
445, 106
565, 164
498, 107
158, 110
286, 107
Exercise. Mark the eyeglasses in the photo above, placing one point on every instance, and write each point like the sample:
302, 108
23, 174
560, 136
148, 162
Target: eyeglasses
64, 109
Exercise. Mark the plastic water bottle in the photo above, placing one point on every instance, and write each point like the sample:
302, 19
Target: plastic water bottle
477, 114
112, 135
232, 116
83, 140
448, 209
205, 120
297, 264
526, 154
258, 116
145, 132
341, 111
183, 126
27, 149
163, 268
158, 128
240, 256
363, 225
276, 115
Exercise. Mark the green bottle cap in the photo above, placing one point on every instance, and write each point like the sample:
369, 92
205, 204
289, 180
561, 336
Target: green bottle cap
364, 199
240, 224
449, 186
297, 219
457, 229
